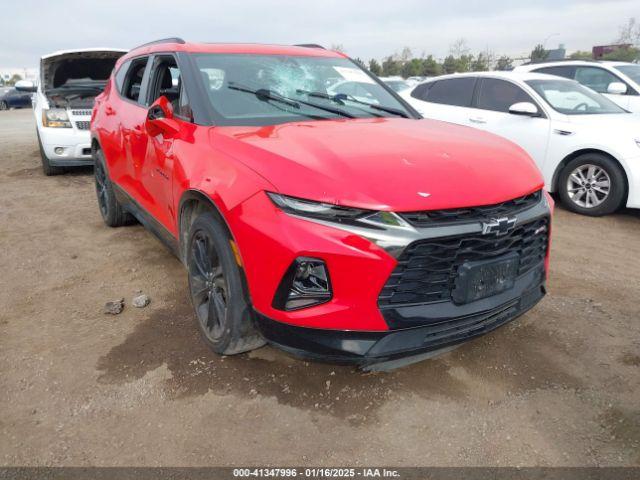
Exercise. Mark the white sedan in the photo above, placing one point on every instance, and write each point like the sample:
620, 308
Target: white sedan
587, 147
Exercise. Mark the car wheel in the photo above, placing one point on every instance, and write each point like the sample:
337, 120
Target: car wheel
224, 315
3, 105
592, 184
47, 168
112, 212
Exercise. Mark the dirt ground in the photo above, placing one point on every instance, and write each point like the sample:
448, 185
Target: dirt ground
559, 386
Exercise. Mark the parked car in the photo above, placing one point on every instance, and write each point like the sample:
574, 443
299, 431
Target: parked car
332, 227
398, 85
618, 81
12, 98
67, 85
587, 147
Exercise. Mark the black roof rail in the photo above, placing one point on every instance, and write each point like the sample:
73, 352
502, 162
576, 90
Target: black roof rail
309, 45
162, 40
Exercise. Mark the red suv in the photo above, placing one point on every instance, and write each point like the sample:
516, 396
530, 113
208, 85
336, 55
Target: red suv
312, 207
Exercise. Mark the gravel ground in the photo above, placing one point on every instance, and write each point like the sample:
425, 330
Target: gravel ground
559, 386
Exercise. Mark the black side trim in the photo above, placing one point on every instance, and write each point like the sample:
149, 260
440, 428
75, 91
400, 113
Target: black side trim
147, 221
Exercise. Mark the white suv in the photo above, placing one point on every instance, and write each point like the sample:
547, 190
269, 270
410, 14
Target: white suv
618, 81
67, 84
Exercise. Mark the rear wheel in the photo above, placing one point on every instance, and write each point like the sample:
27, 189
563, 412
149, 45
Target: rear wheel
592, 184
3, 105
218, 295
112, 212
48, 169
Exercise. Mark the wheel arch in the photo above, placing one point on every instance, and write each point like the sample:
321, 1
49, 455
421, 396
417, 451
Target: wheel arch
192, 203
576, 154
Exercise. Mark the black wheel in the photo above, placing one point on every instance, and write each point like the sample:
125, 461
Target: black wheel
3, 105
112, 212
592, 184
218, 295
47, 168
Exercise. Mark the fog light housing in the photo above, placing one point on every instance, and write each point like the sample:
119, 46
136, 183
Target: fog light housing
58, 150
306, 283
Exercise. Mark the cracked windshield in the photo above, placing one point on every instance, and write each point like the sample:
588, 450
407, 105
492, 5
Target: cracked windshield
273, 89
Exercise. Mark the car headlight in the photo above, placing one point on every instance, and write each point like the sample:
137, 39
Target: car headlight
55, 118
319, 210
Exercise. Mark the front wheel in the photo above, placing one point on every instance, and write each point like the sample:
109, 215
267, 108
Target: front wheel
112, 212
218, 295
3, 105
592, 184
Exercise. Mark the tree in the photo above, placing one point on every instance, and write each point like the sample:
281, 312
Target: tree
412, 68
337, 47
504, 63
630, 32
623, 55
359, 61
539, 54
430, 67
374, 67
482, 62
14, 78
450, 64
459, 48
581, 55
406, 55
391, 66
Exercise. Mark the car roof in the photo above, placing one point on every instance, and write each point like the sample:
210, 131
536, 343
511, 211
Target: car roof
176, 45
82, 50
511, 75
560, 63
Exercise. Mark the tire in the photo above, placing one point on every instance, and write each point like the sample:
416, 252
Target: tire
48, 169
112, 212
223, 312
592, 184
3, 105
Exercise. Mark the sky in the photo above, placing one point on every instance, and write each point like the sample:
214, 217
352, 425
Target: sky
366, 29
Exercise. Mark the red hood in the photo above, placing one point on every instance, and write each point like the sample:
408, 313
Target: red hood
384, 164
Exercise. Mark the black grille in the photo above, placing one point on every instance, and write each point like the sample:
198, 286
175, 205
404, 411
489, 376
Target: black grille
471, 214
81, 113
427, 269
83, 125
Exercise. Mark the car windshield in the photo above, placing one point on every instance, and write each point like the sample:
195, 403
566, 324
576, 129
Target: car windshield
272, 89
631, 71
571, 98
397, 85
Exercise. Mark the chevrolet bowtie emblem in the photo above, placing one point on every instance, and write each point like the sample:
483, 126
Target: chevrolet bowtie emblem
499, 226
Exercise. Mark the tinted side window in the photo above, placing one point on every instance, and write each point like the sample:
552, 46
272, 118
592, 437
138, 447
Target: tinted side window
420, 92
595, 78
566, 71
499, 95
120, 75
133, 79
453, 91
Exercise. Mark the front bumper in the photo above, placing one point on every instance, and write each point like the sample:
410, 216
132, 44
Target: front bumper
75, 146
368, 349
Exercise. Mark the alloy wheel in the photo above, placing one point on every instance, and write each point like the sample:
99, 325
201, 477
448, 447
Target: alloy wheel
588, 186
101, 188
208, 285
4, 106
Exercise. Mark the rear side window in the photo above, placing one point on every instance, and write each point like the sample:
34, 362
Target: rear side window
499, 95
560, 71
420, 92
133, 80
453, 91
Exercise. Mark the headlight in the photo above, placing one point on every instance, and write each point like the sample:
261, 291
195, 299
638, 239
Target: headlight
309, 208
55, 118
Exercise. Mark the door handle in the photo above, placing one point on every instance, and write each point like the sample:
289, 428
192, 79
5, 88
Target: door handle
477, 120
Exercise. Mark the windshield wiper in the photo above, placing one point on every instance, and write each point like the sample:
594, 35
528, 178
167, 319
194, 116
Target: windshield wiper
341, 97
264, 94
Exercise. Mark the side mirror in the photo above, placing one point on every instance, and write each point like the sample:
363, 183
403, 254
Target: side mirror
527, 109
617, 88
160, 118
25, 86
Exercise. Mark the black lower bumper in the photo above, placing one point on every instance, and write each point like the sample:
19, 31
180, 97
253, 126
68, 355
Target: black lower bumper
365, 348
72, 162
